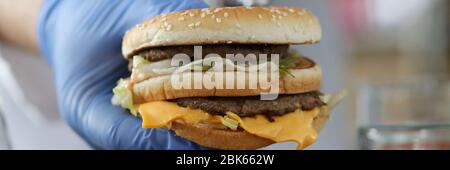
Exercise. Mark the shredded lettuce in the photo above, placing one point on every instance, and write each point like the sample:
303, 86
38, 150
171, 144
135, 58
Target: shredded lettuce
231, 123
336, 99
289, 61
123, 97
138, 61
325, 98
331, 101
200, 67
325, 109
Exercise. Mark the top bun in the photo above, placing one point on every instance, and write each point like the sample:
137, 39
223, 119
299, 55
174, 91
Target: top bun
229, 25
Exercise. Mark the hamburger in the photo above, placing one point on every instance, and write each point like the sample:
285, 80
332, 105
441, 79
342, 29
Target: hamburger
227, 118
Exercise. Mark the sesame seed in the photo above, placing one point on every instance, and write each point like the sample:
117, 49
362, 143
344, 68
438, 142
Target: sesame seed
166, 24
291, 10
285, 14
218, 20
169, 27
217, 10
238, 25
204, 9
252, 37
191, 14
225, 14
164, 19
278, 23
181, 19
213, 16
197, 24
259, 16
203, 15
302, 12
275, 11
280, 17
229, 42
215, 41
248, 7
191, 25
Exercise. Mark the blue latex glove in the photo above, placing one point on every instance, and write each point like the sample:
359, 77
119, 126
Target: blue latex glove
81, 40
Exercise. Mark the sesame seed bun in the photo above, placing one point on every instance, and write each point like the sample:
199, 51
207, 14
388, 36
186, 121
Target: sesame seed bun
229, 25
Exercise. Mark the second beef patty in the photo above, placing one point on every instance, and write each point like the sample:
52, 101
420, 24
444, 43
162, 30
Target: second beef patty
251, 106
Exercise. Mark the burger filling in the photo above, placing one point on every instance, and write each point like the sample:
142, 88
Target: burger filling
160, 53
153, 62
251, 106
242, 106
271, 119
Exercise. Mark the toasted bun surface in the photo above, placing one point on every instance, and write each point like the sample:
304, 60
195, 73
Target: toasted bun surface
230, 140
229, 25
160, 88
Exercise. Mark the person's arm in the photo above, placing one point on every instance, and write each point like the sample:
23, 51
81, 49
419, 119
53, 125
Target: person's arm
18, 20
81, 40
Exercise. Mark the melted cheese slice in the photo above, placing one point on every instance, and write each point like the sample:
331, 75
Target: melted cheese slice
296, 126
161, 113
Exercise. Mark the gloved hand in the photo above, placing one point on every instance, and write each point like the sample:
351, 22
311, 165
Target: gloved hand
81, 40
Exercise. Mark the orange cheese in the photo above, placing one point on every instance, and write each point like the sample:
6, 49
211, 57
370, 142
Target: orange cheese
295, 126
161, 113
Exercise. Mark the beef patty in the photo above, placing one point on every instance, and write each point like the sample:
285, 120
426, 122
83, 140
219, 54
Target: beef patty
160, 53
251, 106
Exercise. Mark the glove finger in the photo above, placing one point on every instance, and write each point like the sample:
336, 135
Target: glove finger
114, 128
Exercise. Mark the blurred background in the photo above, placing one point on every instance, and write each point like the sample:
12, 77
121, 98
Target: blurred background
391, 55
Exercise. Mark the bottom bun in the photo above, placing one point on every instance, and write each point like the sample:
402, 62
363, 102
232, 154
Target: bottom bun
228, 139
220, 139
